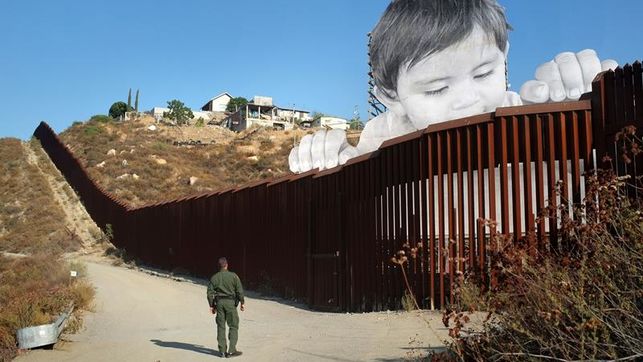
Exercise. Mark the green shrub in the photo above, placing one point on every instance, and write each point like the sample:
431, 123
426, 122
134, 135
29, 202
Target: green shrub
101, 118
92, 130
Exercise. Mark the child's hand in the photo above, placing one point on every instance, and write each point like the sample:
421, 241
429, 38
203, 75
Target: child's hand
324, 149
566, 77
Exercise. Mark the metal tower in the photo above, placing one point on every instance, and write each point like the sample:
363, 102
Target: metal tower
375, 106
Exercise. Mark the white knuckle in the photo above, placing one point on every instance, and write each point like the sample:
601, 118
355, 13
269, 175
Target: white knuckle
587, 53
557, 91
609, 64
565, 57
547, 72
534, 91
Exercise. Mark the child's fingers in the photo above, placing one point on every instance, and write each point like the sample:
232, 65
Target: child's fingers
608, 64
317, 150
335, 140
347, 153
535, 91
305, 161
550, 74
293, 160
590, 66
571, 74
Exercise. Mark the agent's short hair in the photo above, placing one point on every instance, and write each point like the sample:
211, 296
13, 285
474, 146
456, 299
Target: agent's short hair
223, 262
411, 30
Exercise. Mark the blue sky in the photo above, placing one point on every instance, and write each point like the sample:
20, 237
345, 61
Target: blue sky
66, 60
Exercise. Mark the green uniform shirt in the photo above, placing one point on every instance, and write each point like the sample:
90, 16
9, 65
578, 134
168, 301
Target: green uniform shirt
225, 284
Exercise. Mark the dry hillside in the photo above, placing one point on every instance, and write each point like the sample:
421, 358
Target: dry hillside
30, 219
40, 221
149, 166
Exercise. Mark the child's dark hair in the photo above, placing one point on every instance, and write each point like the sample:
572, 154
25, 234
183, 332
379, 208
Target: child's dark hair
411, 30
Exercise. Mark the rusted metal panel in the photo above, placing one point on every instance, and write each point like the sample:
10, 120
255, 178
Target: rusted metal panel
637, 85
543, 108
441, 219
515, 180
460, 205
551, 186
529, 216
470, 201
540, 181
429, 204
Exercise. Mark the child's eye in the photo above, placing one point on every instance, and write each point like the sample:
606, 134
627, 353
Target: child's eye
483, 75
436, 92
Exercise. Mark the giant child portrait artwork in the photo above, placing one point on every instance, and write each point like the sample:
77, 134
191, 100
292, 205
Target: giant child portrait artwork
439, 60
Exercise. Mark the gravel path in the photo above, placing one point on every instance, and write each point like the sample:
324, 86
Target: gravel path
141, 317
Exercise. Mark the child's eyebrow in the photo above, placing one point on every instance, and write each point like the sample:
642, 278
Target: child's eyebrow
486, 62
429, 81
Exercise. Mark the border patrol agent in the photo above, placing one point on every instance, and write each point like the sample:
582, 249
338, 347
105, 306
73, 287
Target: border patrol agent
224, 294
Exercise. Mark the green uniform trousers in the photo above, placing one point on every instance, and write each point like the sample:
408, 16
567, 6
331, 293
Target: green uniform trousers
227, 313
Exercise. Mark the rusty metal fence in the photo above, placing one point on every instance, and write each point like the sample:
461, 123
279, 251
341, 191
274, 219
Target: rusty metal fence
326, 237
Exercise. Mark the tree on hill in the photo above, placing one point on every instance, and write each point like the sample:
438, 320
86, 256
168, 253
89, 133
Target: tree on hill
356, 124
235, 103
178, 112
136, 102
118, 109
316, 115
129, 98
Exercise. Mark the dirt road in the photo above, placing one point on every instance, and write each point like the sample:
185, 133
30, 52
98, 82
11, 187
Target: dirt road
140, 317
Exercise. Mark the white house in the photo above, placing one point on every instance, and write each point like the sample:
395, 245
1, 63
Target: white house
157, 112
261, 111
332, 122
218, 103
293, 114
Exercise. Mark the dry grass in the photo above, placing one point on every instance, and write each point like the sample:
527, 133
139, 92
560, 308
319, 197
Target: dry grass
228, 159
34, 290
31, 221
581, 302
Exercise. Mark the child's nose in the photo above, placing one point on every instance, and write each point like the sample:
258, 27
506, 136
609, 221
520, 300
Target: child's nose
467, 98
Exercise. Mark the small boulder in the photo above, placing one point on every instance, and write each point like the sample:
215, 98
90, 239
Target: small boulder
160, 161
152, 128
135, 176
124, 163
253, 158
192, 180
111, 152
123, 176
101, 165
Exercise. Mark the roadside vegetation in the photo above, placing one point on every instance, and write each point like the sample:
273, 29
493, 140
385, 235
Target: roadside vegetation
581, 300
35, 284
35, 290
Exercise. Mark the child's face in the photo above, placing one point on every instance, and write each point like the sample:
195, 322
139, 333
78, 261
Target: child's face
465, 79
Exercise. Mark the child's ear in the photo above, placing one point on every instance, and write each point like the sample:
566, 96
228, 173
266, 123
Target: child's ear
391, 101
507, 49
